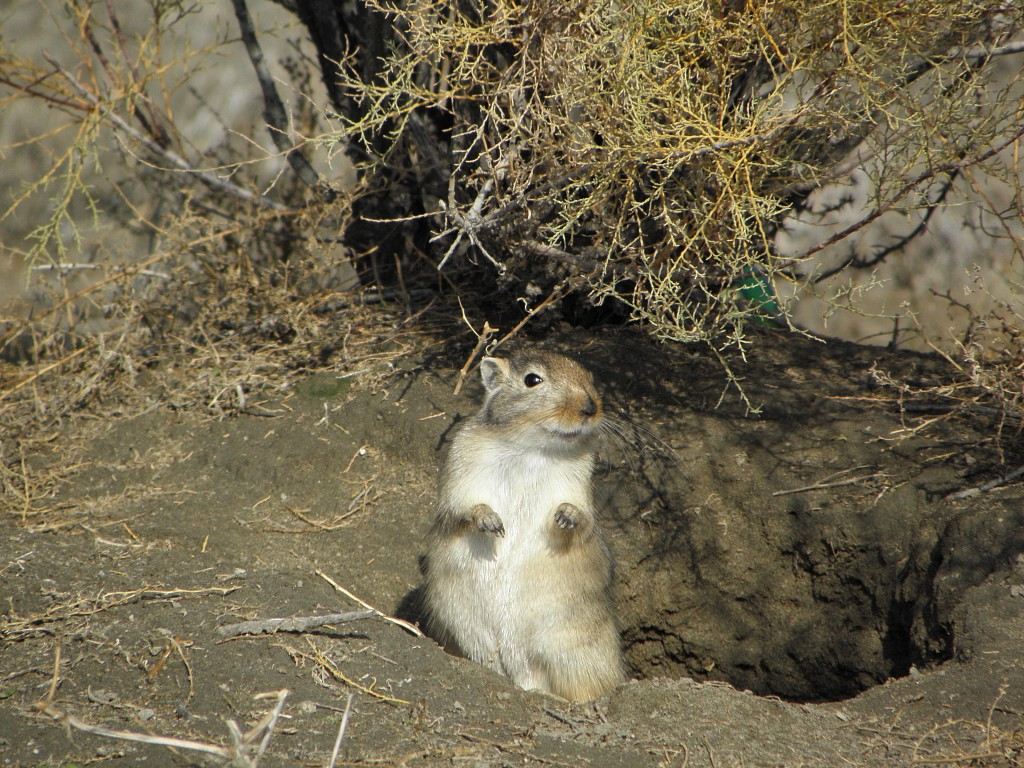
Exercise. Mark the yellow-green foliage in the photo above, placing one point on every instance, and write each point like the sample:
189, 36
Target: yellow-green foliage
651, 148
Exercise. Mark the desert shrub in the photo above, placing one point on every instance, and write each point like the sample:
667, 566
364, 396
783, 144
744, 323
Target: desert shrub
649, 152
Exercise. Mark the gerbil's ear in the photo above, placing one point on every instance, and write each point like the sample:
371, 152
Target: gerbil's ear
493, 370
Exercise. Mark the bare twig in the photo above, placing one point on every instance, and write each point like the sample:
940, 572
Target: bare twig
984, 52
246, 749
560, 291
585, 260
914, 181
468, 224
266, 725
82, 606
411, 628
514, 749
991, 485
358, 504
341, 732
827, 482
900, 242
334, 671
44, 370
144, 738
291, 624
481, 343
482, 338
55, 680
70, 267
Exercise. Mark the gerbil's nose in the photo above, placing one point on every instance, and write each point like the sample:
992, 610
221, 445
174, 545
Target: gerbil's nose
589, 407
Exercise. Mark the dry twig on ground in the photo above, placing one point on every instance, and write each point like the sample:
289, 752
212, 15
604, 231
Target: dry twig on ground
246, 749
297, 624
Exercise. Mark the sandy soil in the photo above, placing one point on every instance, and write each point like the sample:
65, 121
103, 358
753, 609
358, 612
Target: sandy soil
794, 587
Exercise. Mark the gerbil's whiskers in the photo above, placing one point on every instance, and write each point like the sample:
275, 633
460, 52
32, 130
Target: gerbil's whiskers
635, 437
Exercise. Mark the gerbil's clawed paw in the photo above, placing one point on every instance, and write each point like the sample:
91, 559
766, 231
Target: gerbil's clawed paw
568, 516
574, 523
487, 520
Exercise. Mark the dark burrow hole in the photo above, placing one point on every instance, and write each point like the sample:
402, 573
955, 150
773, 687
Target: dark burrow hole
805, 604
833, 657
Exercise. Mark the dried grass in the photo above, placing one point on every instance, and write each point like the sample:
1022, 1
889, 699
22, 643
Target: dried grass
63, 614
964, 743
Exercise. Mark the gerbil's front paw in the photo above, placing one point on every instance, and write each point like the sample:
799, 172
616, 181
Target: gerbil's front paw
487, 520
568, 517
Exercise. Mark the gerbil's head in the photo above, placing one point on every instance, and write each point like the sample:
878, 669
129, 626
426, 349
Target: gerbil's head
541, 392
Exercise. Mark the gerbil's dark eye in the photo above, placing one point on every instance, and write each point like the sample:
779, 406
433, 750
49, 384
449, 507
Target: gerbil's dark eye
532, 380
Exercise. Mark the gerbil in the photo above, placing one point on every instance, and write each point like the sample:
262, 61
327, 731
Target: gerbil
517, 575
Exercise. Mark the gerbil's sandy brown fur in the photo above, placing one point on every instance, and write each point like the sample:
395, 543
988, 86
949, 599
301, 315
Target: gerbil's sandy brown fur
517, 574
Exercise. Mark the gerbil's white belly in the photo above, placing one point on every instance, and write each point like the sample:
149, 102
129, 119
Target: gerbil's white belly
524, 491
497, 610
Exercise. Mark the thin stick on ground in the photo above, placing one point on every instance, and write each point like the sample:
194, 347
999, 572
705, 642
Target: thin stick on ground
358, 504
178, 644
55, 680
291, 624
46, 622
991, 485
269, 721
144, 738
412, 628
341, 731
245, 751
319, 657
825, 482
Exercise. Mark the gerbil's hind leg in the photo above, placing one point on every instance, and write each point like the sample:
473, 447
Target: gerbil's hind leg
530, 677
584, 673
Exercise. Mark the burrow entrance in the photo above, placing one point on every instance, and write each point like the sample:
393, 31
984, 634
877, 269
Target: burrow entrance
805, 602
